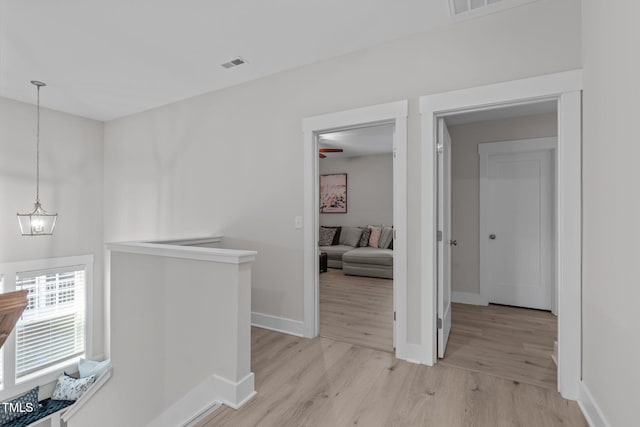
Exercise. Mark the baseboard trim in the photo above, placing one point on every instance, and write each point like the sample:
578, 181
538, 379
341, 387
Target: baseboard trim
468, 298
233, 394
415, 354
278, 324
590, 408
203, 398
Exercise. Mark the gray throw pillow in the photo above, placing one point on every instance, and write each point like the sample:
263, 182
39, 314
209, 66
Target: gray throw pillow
350, 236
326, 236
386, 237
336, 238
364, 239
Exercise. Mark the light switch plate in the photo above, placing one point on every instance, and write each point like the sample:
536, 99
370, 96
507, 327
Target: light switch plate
297, 222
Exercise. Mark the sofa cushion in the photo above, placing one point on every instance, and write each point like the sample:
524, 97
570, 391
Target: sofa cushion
336, 251
350, 236
375, 236
369, 255
368, 270
326, 236
336, 238
364, 239
386, 237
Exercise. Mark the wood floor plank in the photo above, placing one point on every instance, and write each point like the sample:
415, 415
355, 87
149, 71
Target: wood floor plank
508, 342
324, 382
357, 310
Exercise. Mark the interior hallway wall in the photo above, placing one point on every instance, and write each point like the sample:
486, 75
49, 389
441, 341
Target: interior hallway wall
231, 161
611, 208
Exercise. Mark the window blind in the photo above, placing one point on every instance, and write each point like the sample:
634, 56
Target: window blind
52, 327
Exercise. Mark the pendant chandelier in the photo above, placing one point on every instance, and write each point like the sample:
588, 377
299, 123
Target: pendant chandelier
37, 222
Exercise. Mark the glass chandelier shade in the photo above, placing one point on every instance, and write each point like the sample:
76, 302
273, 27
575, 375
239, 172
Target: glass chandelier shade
37, 222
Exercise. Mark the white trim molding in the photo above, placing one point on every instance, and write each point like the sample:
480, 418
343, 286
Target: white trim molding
235, 394
564, 88
414, 353
518, 146
471, 298
210, 393
393, 112
278, 324
590, 408
182, 250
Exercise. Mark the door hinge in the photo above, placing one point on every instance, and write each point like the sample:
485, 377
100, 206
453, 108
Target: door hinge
394, 316
439, 236
439, 147
395, 152
394, 233
439, 323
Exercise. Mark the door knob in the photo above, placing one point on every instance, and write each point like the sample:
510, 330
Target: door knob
492, 236
453, 242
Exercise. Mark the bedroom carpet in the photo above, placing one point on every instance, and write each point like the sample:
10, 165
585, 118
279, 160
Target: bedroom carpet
357, 310
508, 342
323, 382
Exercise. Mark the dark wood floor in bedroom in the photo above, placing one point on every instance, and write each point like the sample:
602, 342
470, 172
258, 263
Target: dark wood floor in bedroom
357, 310
324, 382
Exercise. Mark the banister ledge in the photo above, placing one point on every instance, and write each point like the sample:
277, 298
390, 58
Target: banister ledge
71, 410
177, 249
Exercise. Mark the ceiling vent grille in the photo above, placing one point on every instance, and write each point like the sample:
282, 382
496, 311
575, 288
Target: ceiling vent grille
464, 7
234, 62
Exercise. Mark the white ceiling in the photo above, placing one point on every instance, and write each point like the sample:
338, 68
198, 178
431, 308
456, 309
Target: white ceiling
365, 141
109, 58
503, 113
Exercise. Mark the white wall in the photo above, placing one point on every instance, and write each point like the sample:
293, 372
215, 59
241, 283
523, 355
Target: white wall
71, 184
169, 343
231, 161
611, 208
465, 186
369, 190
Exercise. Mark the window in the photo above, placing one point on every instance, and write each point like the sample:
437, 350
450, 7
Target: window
51, 334
52, 327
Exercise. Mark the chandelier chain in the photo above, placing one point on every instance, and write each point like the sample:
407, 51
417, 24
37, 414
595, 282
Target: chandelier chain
38, 151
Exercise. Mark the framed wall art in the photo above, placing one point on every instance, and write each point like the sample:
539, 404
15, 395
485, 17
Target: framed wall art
333, 193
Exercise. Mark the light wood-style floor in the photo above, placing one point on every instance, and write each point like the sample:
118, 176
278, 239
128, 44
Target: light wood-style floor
357, 310
324, 382
509, 342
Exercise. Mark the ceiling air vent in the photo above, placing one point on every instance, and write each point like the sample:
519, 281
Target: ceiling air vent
234, 63
463, 7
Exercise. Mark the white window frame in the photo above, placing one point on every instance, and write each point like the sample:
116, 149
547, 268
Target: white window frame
9, 271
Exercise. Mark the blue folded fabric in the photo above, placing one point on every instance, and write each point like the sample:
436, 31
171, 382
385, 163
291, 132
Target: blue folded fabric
47, 407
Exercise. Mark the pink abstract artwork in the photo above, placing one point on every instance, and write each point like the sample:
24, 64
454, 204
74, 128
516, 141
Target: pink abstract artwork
333, 193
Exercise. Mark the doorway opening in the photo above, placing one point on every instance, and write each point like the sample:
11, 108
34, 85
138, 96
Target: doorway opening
334, 144
356, 235
563, 89
498, 193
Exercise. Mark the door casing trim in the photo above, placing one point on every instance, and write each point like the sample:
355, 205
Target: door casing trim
565, 88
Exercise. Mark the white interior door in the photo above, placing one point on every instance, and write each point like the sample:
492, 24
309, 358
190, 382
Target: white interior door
444, 236
517, 230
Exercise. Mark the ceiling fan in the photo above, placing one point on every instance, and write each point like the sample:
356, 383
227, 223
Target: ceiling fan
329, 150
